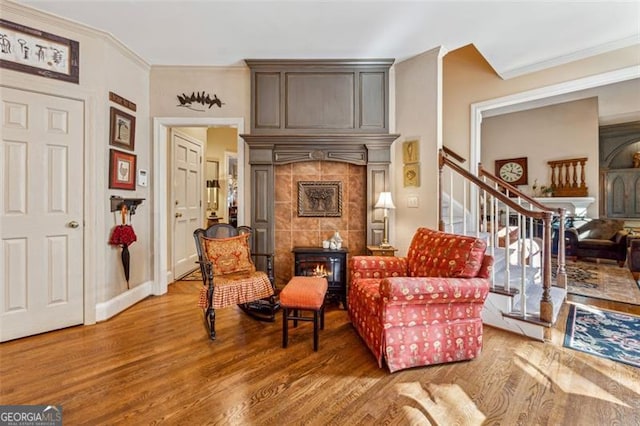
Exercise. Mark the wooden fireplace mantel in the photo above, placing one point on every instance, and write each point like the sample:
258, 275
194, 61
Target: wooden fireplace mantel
358, 149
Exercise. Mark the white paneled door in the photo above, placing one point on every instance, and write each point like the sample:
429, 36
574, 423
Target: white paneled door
41, 213
187, 201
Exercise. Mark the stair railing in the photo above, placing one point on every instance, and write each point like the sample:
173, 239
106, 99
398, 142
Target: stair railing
517, 228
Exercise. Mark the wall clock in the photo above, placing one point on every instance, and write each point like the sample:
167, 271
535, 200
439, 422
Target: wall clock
513, 170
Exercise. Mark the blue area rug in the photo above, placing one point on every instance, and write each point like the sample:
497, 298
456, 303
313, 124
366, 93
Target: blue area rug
607, 334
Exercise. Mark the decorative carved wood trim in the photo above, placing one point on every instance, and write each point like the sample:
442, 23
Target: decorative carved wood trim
564, 177
354, 149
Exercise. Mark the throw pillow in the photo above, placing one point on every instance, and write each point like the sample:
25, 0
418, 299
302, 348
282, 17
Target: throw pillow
604, 229
440, 254
229, 255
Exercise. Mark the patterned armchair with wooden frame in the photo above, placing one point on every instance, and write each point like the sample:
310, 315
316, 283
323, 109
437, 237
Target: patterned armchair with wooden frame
229, 274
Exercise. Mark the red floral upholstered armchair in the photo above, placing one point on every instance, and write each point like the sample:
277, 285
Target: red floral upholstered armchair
424, 308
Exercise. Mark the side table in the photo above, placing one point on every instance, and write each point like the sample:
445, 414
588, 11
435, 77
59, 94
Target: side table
212, 220
381, 251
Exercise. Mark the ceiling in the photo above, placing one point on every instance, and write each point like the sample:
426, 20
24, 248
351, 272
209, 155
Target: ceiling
514, 37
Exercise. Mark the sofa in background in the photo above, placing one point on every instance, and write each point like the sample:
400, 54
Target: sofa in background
424, 308
598, 238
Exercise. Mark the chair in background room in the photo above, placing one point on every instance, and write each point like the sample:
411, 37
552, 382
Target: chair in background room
229, 274
598, 238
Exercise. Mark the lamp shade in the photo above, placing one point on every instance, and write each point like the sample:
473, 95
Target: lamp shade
385, 201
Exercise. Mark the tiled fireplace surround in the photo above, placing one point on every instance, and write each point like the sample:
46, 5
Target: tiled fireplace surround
278, 162
292, 231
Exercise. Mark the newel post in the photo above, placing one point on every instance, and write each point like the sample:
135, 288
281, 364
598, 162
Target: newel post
546, 304
440, 166
561, 273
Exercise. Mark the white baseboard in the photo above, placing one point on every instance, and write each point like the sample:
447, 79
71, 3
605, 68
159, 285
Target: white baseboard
110, 308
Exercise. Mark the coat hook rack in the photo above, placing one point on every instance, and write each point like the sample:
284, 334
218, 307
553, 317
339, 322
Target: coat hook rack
131, 203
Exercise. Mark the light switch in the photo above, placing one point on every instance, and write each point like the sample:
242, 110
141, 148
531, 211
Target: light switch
412, 201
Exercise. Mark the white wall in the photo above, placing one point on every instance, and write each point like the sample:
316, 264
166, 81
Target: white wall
418, 115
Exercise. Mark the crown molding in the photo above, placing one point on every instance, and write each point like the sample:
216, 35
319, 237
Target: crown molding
240, 67
572, 57
10, 6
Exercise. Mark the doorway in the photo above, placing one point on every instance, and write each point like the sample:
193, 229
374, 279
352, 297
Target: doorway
231, 190
162, 273
542, 97
185, 204
42, 232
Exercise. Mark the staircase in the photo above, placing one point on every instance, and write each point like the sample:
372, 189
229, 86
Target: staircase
518, 232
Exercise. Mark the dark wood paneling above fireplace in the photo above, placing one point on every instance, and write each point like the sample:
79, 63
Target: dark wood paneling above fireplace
328, 96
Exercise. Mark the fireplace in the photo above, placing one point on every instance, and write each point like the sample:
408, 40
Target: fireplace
319, 120
320, 262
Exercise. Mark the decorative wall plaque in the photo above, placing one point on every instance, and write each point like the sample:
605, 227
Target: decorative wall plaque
33, 51
113, 97
201, 98
320, 199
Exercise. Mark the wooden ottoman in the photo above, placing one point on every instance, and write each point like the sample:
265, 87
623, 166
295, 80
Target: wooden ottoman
303, 294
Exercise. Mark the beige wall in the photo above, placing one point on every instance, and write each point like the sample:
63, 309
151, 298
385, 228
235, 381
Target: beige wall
468, 78
128, 79
556, 132
219, 141
105, 65
418, 111
230, 84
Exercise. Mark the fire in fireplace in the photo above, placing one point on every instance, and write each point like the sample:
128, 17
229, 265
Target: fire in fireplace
319, 271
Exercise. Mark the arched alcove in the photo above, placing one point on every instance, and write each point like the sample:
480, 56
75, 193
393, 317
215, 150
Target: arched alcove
619, 179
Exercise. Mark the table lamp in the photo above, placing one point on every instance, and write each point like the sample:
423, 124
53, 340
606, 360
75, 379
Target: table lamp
215, 185
385, 202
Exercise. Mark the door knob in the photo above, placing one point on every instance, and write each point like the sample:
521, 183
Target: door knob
178, 214
73, 224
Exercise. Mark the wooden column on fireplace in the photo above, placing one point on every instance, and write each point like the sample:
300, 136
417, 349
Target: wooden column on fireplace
317, 110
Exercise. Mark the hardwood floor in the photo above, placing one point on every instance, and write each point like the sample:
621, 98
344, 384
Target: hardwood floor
154, 364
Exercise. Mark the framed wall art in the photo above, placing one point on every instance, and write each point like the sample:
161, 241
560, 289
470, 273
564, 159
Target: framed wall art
411, 175
320, 199
37, 52
122, 170
122, 129
410, 152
